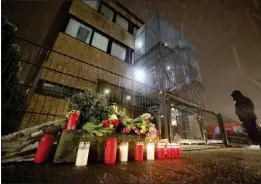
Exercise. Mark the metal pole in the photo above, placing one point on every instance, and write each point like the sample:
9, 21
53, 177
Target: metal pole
222, 129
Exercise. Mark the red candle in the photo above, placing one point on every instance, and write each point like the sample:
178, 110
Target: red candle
161, 151
110, 151
170, 151
139, 151
44, 148
177, 151
73, 120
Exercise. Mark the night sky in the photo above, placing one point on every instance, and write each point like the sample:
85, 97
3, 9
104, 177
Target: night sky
227, 37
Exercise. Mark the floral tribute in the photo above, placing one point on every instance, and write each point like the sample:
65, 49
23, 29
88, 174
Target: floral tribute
98, 119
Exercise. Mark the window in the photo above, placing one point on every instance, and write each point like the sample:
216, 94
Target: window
118, 51
79, 31
122, 22
92, 3
100, 42
106, 12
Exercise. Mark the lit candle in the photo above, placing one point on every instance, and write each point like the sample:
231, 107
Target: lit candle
170, 151
176, 150
82, 154
124, 151
139, 151
110, 151
150, 151
73, 120
160, 151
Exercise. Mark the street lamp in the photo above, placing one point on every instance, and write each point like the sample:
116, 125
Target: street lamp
128, 97
139, 74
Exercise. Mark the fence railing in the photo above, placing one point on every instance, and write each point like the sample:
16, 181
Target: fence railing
37, 81
235, 132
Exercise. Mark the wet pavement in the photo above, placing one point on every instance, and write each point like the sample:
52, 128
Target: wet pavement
229, 165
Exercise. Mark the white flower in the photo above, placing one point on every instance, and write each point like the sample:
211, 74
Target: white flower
113, 117
145, 116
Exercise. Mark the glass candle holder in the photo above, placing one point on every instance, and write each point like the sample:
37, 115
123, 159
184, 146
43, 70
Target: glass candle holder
161, 151
139, 151
170, 151
110, 151
82, 154
44, 148
124, 148
73, 120
150, 151
177, 150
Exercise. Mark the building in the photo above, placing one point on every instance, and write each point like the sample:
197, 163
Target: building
101, 45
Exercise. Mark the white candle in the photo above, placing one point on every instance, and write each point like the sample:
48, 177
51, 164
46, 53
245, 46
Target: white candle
82, 154
150, 151
124, 151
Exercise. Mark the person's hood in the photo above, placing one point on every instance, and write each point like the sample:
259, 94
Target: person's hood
237, 94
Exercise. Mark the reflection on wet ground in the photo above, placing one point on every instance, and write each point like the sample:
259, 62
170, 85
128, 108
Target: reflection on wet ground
205, 166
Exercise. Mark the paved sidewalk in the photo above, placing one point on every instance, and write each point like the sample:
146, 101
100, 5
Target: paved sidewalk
228, 165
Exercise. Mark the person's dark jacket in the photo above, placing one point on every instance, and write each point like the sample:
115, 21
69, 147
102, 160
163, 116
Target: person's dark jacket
244, 106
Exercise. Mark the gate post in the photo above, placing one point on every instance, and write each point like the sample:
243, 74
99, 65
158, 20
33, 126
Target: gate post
222, 129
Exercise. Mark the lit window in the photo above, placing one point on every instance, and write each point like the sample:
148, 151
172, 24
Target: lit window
122, 22
106, 12
118, 51
79, 31
92, 3
99, 41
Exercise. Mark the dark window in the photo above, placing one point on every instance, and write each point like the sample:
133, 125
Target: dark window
83, 34
79, 31
107, 12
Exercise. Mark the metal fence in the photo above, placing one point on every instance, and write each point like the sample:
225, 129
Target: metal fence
37, 81
214, 133
235, 132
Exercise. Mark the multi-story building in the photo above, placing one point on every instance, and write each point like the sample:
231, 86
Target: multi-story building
101, 45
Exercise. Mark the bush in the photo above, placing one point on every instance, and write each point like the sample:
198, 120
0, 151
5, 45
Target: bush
93, 106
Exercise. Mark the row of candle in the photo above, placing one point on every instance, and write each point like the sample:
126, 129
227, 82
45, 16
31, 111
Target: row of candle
173, 151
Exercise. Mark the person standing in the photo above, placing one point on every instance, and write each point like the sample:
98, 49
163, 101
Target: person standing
246, 114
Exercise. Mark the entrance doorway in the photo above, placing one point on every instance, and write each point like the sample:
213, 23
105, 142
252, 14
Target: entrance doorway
185, 126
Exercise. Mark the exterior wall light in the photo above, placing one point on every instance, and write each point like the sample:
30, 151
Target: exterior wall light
106, 91
139, 75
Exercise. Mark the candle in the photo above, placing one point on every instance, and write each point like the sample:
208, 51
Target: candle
177, 151
110, 151
124, 151
82, 154
139, 151
170, 151
160, 151
44, 148
73, 120
150, 151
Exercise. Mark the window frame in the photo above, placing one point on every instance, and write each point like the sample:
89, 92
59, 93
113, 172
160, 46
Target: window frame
121, 46
98, 6
129, 51
91, 43
105, 5
131, 25
128, 26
